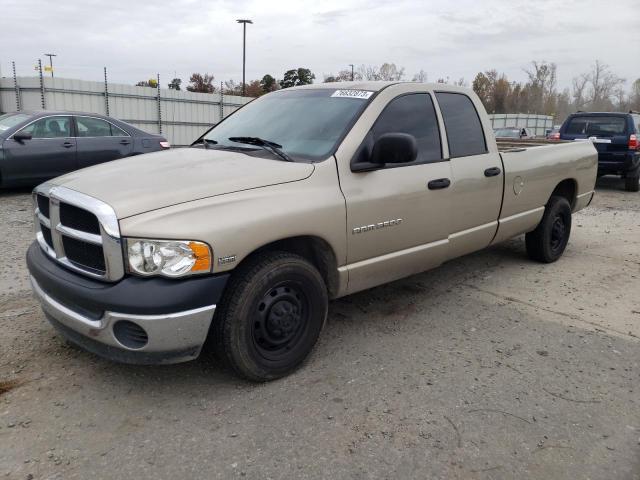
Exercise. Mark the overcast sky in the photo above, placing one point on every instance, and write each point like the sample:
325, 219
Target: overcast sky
445, 38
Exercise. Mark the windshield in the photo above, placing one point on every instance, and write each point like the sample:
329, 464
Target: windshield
508, 133
308, 124
11, 120
591, 125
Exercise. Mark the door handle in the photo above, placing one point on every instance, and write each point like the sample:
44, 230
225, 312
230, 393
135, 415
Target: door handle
124, 142
438, 184
67, 144
492, 172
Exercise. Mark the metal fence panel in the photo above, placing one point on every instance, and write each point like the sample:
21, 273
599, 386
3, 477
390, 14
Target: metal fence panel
538, 124
181, 116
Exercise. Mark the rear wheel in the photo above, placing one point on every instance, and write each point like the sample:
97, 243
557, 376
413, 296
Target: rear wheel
632, 182
549, 240
271, 316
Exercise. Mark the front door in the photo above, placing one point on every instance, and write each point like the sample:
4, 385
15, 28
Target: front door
100, 141
50, 152
398, 216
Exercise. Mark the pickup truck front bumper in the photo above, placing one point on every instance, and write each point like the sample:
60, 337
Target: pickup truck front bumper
136, 320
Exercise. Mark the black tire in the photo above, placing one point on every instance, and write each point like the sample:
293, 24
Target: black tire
270, 316
548, 241
632, 184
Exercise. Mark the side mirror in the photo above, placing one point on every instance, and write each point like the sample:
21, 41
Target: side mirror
22, 136
388, 149
394, 148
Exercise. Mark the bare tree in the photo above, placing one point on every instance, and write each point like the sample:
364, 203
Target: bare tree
580, 91
603, 85
634, 95
542, 83
368, 72
421, 76
387, 71
342, 76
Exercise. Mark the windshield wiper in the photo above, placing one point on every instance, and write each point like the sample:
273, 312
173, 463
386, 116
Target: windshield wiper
266, 144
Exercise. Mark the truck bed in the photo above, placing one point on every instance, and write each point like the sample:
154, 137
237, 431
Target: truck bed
505, 145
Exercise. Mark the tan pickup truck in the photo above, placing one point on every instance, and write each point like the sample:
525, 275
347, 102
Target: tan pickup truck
303, 195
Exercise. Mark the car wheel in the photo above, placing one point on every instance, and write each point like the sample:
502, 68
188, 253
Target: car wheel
271, 316
632, 183
549, 240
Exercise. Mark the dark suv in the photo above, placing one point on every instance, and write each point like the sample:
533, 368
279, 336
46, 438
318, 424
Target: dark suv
616, 136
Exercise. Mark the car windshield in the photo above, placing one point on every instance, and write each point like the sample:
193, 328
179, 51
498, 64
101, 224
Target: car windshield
307, 124
11, 120
508, 133
591, 125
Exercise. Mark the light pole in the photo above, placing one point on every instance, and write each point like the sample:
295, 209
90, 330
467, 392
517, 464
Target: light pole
50, 55
244, 48
351, 65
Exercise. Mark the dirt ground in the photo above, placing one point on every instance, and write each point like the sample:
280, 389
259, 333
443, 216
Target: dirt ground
489, 367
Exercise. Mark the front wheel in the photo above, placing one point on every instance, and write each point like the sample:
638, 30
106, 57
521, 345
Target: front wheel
271, 316
548, 241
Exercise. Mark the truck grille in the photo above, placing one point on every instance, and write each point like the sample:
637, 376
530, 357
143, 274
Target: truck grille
46, 233
84, 255
79, 219
43, 205
78, 231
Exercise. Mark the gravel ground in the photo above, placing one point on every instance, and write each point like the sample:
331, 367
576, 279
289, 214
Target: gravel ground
488, 367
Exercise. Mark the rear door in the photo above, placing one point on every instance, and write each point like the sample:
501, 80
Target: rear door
100, 141
477, 176
50, 152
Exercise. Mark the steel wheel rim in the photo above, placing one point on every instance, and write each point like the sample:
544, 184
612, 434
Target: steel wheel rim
280, 320
558, 232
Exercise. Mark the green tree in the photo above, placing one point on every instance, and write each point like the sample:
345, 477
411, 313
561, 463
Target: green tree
268, 84
295, 77
201, 83
175, 84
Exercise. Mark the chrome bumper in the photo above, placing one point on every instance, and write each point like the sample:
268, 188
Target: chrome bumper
171, 338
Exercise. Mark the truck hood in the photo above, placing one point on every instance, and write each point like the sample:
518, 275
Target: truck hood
147, 182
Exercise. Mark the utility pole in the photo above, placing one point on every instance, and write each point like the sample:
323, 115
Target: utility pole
351, 65
244, 49
50, 55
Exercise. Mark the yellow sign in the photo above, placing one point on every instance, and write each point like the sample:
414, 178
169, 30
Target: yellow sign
48, 69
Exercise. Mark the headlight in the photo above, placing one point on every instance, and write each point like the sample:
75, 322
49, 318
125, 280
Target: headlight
169, 258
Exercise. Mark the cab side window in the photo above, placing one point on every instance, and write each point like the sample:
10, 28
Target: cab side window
50, 127
462, 123
94, 127
413, 114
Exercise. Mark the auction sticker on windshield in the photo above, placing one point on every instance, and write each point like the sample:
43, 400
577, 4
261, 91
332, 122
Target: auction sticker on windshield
352, 94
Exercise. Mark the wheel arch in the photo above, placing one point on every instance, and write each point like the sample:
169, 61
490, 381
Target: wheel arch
567, 188
314, 249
